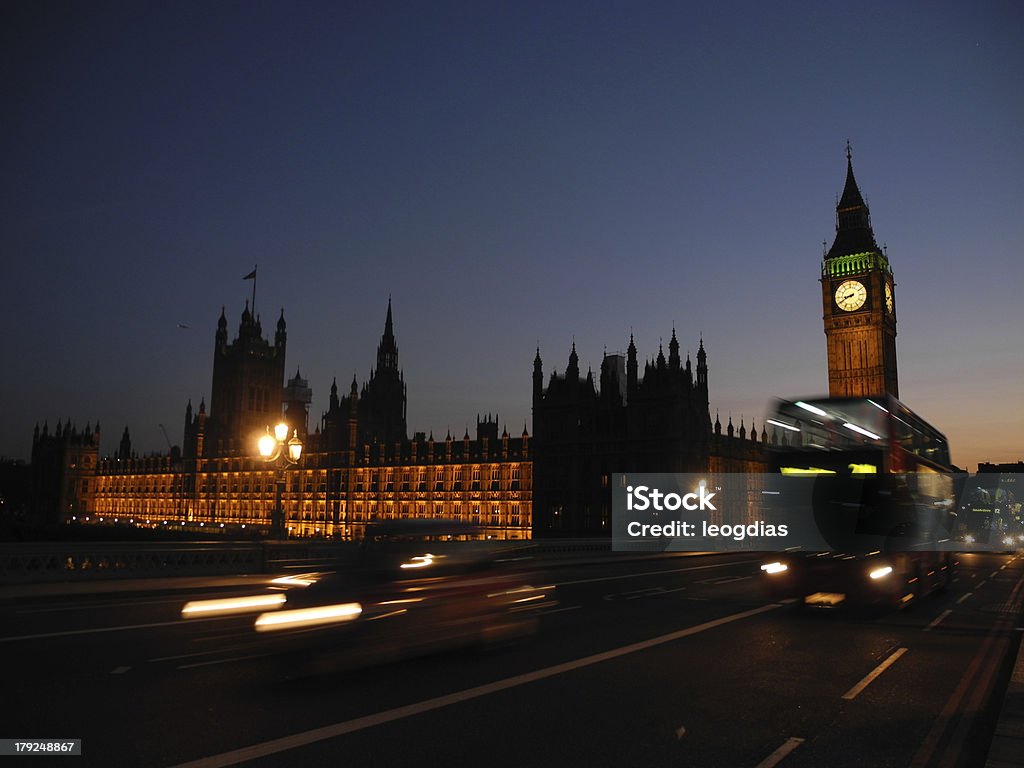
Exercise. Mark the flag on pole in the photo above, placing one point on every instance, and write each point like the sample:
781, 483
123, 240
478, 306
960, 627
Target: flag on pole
250, 276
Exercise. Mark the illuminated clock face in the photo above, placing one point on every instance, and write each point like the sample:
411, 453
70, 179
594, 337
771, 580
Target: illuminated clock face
851, 295
888, 298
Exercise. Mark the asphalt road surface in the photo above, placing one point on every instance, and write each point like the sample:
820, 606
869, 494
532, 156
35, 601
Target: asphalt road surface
668, 662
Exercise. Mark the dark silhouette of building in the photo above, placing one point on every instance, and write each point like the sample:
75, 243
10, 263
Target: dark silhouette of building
584, 432
248, 377
63, 472
15, 495
859, 303
382, 401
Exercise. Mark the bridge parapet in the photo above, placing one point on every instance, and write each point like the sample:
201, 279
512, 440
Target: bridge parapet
41, 562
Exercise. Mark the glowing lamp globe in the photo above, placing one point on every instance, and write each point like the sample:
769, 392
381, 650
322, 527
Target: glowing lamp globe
267, 444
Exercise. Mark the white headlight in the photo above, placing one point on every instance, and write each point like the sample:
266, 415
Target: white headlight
775, 567
881, 573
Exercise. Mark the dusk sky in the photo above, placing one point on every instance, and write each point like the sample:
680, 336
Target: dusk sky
511, 175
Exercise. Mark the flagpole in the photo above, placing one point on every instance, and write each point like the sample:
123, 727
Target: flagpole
255, 267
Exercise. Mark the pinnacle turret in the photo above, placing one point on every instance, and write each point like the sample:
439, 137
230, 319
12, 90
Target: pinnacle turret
853, 219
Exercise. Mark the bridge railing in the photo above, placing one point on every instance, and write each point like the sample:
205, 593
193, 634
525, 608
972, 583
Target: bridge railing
30, 562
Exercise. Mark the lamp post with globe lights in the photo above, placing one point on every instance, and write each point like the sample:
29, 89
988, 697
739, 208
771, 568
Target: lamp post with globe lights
278, 449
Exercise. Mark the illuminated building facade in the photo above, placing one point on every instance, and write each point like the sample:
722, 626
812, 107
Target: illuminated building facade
858, 302
357, 466
359, 463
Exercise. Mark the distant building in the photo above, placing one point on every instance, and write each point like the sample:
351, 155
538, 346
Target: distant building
585, 431
358, 465
989, 468
63, 473
15, 492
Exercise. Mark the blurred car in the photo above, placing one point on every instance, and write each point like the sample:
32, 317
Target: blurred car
417, 586
830, 579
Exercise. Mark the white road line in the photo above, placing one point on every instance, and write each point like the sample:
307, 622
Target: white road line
779, 754
221, 661
716, 580
654, 573
297, 740
964, 597
187, 655
870, 677
559, 610
97, 630
119, 670
938, 621
981, 584
993, 574
638, 593
516, 609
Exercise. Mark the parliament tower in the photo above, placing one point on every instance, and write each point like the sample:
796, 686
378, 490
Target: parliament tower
248, 380
859, 305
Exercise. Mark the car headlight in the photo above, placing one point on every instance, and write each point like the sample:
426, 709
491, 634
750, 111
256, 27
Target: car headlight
776, 567
881, 573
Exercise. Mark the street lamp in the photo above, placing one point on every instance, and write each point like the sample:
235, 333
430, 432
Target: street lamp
283, 452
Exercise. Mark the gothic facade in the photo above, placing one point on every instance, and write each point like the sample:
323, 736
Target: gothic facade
63, 470
358, 464
858, 303
587, 429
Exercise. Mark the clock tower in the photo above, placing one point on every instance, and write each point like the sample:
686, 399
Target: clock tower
859, 306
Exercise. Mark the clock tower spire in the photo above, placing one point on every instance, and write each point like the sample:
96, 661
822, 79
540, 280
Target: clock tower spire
858, 302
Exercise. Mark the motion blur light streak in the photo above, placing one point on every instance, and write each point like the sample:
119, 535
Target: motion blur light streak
881, 573
420, 561
298, 580
812, 408
861, 430
308, 617
231, 605
775, 567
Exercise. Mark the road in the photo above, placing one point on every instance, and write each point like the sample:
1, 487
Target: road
667, 662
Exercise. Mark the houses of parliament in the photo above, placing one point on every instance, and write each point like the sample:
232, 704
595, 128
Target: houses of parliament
359, 464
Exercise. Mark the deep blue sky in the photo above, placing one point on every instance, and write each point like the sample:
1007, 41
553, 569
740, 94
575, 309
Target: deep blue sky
512, 174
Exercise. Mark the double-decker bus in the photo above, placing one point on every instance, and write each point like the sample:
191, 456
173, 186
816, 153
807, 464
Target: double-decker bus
878, 483
990, 513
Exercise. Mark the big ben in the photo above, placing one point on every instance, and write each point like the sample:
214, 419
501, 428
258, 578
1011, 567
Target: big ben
858, 302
